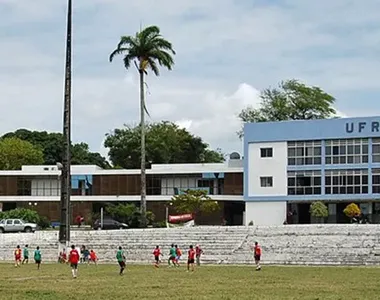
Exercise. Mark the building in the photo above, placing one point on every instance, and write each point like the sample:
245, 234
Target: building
288, 165
38, 187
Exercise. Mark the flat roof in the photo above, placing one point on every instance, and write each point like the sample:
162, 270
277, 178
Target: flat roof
299, 130
170, 169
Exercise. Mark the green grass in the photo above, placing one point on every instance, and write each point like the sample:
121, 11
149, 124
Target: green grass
54, 281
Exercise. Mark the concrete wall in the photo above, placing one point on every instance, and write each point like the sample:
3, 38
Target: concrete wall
291, 244
274, 167
265, 213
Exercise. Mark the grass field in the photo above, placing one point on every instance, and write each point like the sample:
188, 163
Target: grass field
54, 281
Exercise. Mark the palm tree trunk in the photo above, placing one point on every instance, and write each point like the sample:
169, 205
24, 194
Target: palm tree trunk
143, 154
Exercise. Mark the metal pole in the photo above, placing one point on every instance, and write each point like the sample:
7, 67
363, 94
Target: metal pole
64, 232
101, 217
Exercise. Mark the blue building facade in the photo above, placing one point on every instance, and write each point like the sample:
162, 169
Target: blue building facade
334, 160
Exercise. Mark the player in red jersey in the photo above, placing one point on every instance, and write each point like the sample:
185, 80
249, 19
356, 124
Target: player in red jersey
190, 259
74, 260
93, 257
157, 253
17, 256
257, 253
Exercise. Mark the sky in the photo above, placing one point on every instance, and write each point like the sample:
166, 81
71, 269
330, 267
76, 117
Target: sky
227, 51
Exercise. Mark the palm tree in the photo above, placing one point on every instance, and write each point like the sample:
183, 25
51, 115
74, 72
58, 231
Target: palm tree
146, 49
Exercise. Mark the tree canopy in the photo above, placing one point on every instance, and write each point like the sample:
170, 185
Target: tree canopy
194, 202
291, 100
51, 145
165, 143
15, 152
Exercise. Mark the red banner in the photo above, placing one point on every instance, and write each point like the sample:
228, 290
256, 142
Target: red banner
180, 218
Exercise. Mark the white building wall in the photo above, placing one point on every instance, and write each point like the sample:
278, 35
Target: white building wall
265, 213
168, 184
275, 167
45, 187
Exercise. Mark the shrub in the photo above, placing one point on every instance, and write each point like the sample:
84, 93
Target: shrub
128, 214
319, 210
352, 210
28, 215
161, 224
43, 223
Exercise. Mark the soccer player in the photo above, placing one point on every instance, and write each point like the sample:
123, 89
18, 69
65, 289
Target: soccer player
178, 255
93, 257
157, 253
86, 255
74, 260
37, 257
190, 259
17, 256
198, 253
26, 255
257, 253
121, 259
172, 255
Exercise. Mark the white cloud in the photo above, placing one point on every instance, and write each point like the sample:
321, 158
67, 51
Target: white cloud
227, 51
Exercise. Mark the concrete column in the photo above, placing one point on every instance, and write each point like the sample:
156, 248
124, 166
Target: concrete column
332, 218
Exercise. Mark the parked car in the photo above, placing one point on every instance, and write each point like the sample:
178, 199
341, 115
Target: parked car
109, 224
16, 225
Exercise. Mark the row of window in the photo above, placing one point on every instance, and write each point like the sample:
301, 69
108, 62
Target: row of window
336, 182
350, 151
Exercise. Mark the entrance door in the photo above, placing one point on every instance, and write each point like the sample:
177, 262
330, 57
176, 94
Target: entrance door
304, 213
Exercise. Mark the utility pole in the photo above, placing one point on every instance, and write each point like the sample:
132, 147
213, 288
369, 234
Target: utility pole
64, 229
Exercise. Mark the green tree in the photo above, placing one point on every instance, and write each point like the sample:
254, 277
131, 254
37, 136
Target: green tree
352, 210
165, 143
292, 100
15, 152
51, 144
146, 49
319, 210
194, 202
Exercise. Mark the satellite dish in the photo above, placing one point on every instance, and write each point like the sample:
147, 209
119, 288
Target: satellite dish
234, 155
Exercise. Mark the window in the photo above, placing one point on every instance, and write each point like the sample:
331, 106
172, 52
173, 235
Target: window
266, 152
376, 150
346, 182
266, 181
16, 222
9, 222
304, 153
304, 183
350, 151
376, 181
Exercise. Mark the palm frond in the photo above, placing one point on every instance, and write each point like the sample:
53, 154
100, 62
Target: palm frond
163, 58
153, 66
148, 32
128, 40
127, 61
117, 51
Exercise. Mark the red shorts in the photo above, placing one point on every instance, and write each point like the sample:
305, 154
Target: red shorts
18, 257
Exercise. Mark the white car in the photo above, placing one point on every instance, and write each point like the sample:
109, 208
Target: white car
16, 225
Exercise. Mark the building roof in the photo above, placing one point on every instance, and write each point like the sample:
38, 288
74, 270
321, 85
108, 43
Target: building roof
52, 170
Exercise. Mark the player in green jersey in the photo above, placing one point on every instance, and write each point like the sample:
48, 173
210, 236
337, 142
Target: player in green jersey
37, 257
121, 259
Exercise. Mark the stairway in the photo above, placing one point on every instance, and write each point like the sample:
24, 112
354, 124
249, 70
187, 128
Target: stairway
327, 244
